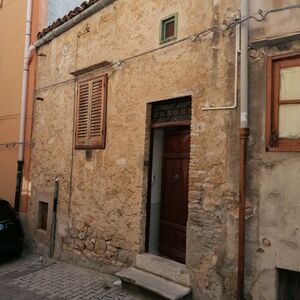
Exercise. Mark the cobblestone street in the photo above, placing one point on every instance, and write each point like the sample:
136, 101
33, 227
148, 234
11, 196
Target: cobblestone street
30, 278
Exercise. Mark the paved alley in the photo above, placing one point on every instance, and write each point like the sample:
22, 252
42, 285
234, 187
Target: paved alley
30, 278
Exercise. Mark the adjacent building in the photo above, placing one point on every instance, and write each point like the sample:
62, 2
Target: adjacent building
272, 240
12, 40
12, 52
136, 133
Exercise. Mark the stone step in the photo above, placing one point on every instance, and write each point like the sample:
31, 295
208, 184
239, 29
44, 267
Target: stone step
163, 267
155, 284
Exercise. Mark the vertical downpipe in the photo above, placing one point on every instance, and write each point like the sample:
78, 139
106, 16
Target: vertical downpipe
54, 217
27, 51
244, 134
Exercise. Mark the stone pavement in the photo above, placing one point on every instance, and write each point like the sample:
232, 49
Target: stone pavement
31, 278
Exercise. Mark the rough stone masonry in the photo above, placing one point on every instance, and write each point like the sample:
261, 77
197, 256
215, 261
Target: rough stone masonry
102, 200
103, 194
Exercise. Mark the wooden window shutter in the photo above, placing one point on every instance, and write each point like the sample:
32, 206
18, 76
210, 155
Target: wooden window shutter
91, 113
98, 111
82, 114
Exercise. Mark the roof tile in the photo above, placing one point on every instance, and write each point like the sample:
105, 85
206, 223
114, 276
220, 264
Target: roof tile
71, 14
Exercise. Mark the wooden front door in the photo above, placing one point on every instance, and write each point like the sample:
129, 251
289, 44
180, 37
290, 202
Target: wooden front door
174, 204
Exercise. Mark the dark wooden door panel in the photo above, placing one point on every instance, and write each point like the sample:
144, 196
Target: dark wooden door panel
174, 206
175, 190
177, 143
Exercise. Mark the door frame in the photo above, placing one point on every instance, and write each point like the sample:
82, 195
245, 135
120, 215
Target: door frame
153, 126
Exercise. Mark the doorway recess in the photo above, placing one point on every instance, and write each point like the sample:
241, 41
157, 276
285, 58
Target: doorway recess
168, 178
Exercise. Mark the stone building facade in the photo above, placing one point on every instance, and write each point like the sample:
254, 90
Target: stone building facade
104, 207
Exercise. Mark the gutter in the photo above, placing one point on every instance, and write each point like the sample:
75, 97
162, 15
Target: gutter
54, 218
275, 40
72, 22
27, 55
244, 135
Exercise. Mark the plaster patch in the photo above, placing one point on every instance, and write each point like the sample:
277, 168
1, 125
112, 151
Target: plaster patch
121, 162
51, 141
89, 166
63, 230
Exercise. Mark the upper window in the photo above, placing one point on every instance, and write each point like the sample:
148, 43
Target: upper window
283, 107
168, 28
91, 113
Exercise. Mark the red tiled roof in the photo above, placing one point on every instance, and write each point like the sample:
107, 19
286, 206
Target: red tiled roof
76, 11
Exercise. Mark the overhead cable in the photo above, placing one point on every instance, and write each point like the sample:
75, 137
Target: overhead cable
11, 144
260, 16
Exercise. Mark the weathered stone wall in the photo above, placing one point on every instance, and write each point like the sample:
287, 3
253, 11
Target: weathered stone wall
102, 200
277, 24
273, 222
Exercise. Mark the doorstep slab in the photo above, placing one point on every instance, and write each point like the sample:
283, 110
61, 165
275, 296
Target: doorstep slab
153, 283
163, 267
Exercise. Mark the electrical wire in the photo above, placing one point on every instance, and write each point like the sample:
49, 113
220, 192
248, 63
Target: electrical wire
54, 84
258, 17
262, 15
3, 117
152, 50
12, 144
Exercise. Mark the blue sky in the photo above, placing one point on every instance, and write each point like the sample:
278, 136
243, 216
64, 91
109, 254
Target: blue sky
58, 8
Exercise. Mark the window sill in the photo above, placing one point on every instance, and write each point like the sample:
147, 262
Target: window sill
283, 148
171, 39
78, 147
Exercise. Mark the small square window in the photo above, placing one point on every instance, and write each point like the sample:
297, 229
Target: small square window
168, 28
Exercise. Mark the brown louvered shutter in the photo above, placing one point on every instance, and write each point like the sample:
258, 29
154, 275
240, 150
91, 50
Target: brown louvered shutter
98, 107
82, 114
91, 113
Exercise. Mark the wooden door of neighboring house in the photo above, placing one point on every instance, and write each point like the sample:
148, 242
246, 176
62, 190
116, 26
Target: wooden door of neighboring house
174, 203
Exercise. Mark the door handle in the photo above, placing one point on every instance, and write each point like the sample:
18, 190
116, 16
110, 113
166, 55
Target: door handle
175, 178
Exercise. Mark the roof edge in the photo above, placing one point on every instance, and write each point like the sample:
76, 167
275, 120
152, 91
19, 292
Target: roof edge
72, 22
275, 40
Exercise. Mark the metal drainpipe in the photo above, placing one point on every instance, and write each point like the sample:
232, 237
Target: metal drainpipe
54, 218
236, 71
27, 55
244, 134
